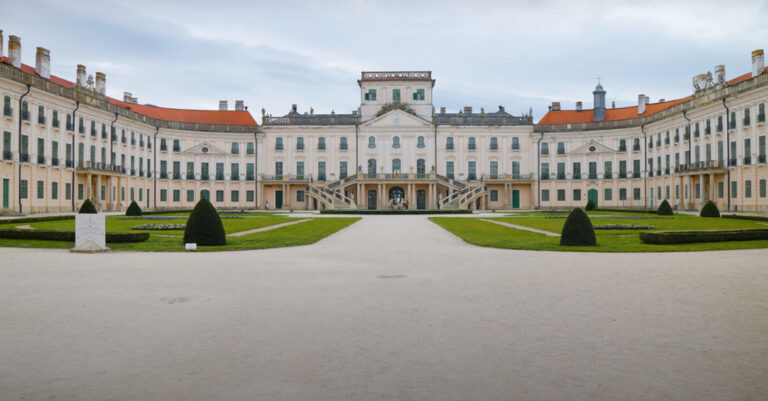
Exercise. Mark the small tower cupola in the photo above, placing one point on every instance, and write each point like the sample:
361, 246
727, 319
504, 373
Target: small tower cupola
599, 107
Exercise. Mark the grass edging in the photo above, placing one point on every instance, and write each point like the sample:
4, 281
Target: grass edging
688, 237
355, 211
64, 235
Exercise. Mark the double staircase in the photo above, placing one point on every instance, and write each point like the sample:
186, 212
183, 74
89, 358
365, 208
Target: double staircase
331, 199
463, 197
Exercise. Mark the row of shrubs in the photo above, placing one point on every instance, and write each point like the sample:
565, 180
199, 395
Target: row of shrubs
355, 211
64, 235
687, 237
744, 217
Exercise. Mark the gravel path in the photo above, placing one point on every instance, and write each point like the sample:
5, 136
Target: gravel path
390, 308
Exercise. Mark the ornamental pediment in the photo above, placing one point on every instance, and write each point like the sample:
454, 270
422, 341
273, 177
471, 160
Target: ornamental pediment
591, 147
397, 118
205, 148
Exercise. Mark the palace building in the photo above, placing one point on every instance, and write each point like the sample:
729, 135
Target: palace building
66, 141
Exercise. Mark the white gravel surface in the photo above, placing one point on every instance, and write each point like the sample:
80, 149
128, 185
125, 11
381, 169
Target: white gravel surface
390, 308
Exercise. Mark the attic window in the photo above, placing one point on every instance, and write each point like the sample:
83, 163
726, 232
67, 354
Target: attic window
592, 148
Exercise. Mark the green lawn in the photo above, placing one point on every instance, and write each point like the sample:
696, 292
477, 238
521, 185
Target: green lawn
478, 232
168, 241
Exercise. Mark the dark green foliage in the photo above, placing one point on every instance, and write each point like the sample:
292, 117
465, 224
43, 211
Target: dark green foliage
64, 235
204, 226
709, 210
590, 205
738, 217
664, 209
578, 230
686, 237
36, 219
395, 106
610, 209
355, 211
87, 208
133, 209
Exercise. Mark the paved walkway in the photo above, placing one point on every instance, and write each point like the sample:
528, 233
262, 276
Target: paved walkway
534, 230
267, 228
390, 308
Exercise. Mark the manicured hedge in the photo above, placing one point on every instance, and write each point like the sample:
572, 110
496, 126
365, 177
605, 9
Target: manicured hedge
709, 210
590, 205
64, 235
355, 211
664, 209
744, 217
87, 208
687, 237
607, 209
578, 230
204, 225
36, 219
133, 209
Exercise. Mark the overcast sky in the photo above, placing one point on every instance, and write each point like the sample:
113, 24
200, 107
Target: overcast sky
191, 54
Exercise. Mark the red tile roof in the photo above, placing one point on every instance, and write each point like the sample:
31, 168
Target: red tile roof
218, 117
623, 113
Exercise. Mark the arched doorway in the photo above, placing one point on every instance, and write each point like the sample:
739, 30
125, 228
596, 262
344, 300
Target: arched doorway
205, 194
396, 195
592, 195
372, 199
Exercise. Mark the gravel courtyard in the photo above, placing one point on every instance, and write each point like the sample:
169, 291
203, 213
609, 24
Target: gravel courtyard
390, 308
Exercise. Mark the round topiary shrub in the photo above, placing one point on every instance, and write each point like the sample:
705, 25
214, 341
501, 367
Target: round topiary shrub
578, 230
87, 208
709, 210
204, 225
664, 209
133, 209
590, 205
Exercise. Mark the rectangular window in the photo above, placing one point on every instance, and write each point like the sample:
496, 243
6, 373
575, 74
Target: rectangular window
608, 170
342, 170
249, 171
494, 195
515, 143
544, 171
608, 195
220, 171
472, 145
472, 169
545, 195
677, 191
418, 95
515, 169
544, 148
666, 192
576, 170
79, 191
176, 170
23, 190
321, 171
762, 188
190, 195
697, 188
748, 188
321, 143
395, 95
299, 196
636, 193
234, 171
163, 195
40, 189
300, 143
176, 195
371, 95
560, 171
622, 194
494, 169
235, 196
449, 169
219, 196
343, 143
560, 195
734, 188
249, 196
576, 194
561, 148
190, 170
68, 191
449, 143
249, 148
720, 190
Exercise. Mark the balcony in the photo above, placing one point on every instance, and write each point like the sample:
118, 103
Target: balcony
544, 176
666, 141
114, 137
70, 127
149, 174
279, 146
761, 118
747, 160
41, 120
141, 173
761, 158
103, 167
24, 157
103, 134
650, 173
732, 162
636, 174
696, 133
235, 177
622, 148
285, 177
40, 159
707, 131
133, 141
176, 148
576, 176
733, 125
205, 177
636, 148
560, 176
8, 111
746, 122
7, 156
719, 127
622, 174
93, 132
592, 176
506, 177
249, 177
666, 171
68, 164
133, 172
220, 177
607, 176
25, 115
81, 129
163, 147
163, 176
123, 139
697, 167
56, 123
176, 176
190, 176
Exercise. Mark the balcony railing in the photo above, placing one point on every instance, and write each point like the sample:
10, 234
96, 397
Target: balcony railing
707, 131
503, 177
636, 174
205, 177
592, 176
190, 176
24, 157
449, 146
761, 118
68, 164
623, 148
93, 132
235, 177
544, 176
732, 162
761, 158
719, 127
560, 176
636, 148
88, 165
343, 147
576, 176
40, 159
7, 111
176, 176
747, 160
622, 174
607, 176
279, 146
286, 177
219, 177
56, 123
494, 147
133, 172
25, 115
705, 165
41, 120
7, 156
163, 175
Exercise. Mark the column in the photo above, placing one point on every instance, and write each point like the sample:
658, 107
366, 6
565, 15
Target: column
87, 187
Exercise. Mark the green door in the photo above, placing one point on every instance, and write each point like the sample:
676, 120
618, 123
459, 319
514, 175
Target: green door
5, 193
371, 199
278, 199
421, 199
516, 199
592, 195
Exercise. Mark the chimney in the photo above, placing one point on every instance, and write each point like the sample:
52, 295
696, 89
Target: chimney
43, 63
1, 43
720, 73
578, 106
223, 106
294, 108
442, 110
467, 109
613, 104
662, 100
555, 106
101, 83
239, 105
642, 100
758, 62
128, 98
81, 76
14, 51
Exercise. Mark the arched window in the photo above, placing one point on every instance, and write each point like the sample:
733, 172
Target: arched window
372, 166
420, 142
7, 110
371, 142
396, 166
761, 113
396, 142
494, 143
235, 148
746, 116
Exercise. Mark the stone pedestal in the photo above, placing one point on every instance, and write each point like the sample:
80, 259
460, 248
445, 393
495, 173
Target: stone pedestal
90, 233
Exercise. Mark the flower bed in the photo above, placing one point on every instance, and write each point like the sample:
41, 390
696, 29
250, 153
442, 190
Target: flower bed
622, 227
160, 227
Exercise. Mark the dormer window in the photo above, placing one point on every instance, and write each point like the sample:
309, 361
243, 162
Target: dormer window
371, 95
395, 95
418, 95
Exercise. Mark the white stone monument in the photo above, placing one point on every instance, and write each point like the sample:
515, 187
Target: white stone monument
90, 233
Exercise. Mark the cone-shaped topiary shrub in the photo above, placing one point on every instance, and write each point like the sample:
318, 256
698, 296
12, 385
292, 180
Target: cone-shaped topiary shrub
204, 225
664, 209
578, 230
709, 210
590, 205
133, 209
87, 208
